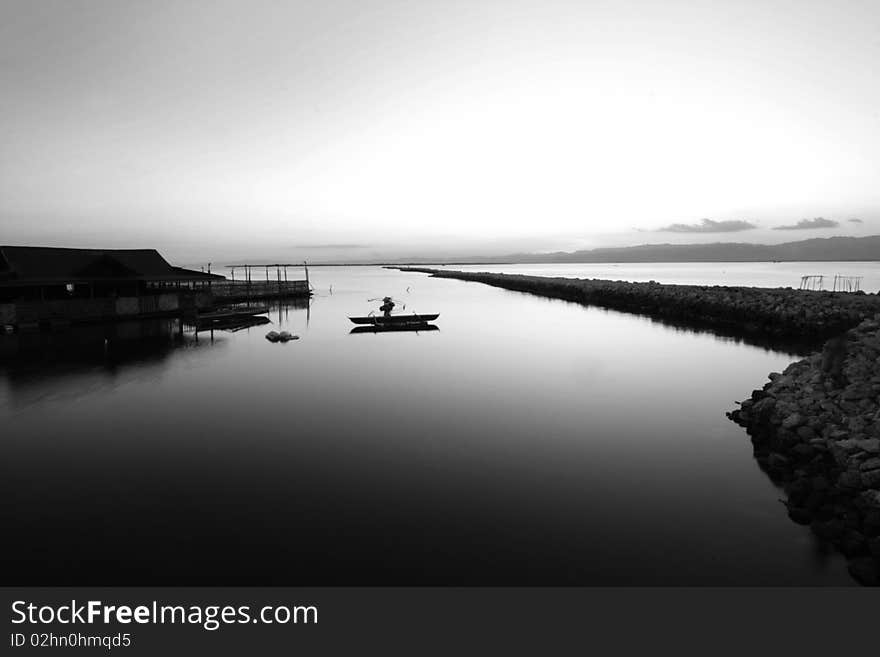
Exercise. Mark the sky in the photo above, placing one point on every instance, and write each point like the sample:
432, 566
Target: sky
351, 130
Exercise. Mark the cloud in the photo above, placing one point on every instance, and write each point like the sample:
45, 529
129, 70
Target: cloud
855, 221
709, 226
810, 224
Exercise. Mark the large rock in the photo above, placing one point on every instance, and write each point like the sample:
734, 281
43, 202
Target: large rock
870, 465
850, 479
805, 433
792, 421
870, 445
871, 478
857, 392
848, 446
871, 499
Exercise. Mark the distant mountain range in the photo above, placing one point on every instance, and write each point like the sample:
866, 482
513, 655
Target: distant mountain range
817, 249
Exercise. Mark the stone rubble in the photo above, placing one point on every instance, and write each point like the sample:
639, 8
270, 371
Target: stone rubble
777, 312
816, 430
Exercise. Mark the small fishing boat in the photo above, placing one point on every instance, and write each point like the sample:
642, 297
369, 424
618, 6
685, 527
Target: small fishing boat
379, 320
231, 313
236, 324
230, 319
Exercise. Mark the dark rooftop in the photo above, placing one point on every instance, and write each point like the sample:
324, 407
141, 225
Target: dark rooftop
40, 265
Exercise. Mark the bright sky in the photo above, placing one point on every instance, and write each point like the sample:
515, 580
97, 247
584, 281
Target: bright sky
350, 129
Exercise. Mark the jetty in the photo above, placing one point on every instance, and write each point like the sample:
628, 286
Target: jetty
785, 313
276, 284
815, 427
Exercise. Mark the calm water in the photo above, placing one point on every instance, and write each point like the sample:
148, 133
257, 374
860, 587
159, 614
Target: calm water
527, 441
759, 274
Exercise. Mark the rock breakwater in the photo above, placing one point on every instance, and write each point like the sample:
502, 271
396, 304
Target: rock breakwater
815, 428
773, 312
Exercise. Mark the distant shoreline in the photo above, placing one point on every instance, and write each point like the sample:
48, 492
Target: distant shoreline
828, 249
426, 263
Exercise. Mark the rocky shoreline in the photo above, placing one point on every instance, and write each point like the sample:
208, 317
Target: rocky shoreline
778, 312
815, 427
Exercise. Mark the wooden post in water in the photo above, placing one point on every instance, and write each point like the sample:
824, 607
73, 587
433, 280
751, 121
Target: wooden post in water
814, 282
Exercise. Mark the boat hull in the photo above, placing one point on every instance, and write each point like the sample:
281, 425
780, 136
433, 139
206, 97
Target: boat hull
381, 320
378, 328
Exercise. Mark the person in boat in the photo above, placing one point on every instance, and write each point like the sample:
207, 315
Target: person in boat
387, 306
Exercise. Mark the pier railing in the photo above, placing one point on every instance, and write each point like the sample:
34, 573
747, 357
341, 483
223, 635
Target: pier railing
841, 283
232, 290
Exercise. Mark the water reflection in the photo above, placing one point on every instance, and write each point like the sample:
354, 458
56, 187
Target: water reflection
420, 328
80, 360
44, 366
796, 346
554, 444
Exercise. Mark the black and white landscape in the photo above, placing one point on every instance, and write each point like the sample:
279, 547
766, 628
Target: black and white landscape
440, 293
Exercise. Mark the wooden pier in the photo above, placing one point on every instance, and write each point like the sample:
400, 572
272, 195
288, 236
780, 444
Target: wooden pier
47, 288
236, 291
274, 283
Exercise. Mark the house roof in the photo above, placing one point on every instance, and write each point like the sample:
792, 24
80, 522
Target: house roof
39, 265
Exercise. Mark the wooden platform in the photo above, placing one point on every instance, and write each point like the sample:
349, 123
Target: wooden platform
231, 291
